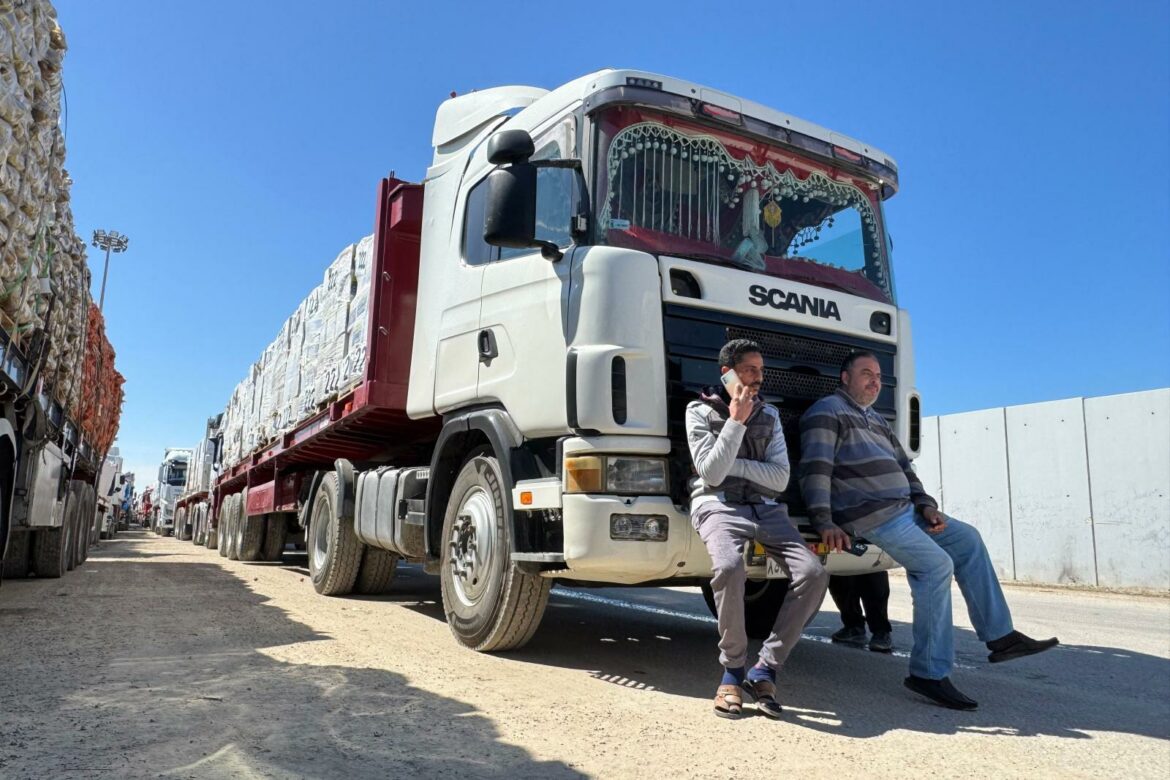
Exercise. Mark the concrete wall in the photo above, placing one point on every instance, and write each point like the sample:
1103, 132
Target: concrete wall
1071, 492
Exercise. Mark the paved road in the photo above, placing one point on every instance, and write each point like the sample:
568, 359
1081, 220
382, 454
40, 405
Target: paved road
159, 659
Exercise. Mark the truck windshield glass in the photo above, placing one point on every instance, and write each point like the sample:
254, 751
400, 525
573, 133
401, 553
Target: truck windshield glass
177, 474
673, 187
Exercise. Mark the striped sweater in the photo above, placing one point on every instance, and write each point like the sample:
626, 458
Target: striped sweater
853, 471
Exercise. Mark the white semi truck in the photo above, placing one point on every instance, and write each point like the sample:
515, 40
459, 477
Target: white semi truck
172, 476
109, 495
531, 322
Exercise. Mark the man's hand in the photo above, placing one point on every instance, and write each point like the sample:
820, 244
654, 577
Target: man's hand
741, 403
936, 519
837, 539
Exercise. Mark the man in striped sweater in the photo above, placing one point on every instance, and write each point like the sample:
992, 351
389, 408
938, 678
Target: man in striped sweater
858, 481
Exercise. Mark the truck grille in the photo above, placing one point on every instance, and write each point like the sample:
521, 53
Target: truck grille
785, 346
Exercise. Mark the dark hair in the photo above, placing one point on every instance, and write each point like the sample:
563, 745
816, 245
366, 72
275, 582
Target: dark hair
854, 357
734, 350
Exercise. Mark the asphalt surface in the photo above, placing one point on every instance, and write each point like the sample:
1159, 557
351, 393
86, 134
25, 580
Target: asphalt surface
160, 659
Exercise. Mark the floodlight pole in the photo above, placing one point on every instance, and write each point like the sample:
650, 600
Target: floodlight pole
111, 242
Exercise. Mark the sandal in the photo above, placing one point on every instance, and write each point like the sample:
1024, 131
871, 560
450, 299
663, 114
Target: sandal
729, 701
764, 694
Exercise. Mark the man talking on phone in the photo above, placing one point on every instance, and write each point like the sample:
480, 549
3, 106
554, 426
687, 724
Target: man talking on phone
857, 480
741, 463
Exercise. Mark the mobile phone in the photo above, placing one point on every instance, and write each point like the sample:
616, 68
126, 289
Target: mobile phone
730, 381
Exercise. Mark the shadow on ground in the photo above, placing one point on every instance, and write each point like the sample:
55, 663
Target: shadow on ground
167, 697
1068, 692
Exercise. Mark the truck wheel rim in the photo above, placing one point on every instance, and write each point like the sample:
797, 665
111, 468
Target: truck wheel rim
471, 543
321, 536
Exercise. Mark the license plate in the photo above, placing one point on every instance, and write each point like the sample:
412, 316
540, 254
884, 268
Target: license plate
774, 571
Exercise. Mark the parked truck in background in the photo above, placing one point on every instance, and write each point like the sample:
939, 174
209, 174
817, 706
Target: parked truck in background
192, 509
172, 476
520, 337
109, 495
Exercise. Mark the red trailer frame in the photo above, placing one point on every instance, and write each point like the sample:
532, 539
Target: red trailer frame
369, 419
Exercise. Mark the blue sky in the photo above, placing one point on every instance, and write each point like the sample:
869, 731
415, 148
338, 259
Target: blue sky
239, 144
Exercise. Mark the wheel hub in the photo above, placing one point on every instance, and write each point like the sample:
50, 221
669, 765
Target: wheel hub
471, 546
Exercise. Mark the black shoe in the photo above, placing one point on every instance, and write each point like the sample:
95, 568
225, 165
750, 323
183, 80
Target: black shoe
854, 636
881, 642
940, 692
1017, 645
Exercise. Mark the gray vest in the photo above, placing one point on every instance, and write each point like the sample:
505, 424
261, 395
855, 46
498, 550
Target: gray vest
753, 446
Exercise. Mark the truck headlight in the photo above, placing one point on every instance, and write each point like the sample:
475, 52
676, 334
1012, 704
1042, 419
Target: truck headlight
635, 475
616, 474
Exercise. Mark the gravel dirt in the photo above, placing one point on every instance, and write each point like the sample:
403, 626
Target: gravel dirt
160, 659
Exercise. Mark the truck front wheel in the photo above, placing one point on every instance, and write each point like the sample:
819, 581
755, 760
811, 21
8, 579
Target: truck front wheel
490, 604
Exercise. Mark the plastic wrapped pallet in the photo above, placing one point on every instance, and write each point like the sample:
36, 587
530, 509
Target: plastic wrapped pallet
335, 292
357, 320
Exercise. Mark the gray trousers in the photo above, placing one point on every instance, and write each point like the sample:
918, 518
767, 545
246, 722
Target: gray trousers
725, 529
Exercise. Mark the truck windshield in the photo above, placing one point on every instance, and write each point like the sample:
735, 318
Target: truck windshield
669, 186
177, 474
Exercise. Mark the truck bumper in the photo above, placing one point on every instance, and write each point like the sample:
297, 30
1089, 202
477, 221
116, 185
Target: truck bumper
592, 555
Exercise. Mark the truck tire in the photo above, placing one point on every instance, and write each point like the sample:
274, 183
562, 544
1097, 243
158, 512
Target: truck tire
761, 604
233, 541
211, 539
490, 604
52, 550
377, 572
15, 565
181, 525
223, 530
250, 535
275, 533
335, 553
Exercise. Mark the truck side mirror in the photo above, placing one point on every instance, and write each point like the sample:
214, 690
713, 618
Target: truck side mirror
510, 214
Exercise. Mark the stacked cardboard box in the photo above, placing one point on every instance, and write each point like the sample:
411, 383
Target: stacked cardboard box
319, 354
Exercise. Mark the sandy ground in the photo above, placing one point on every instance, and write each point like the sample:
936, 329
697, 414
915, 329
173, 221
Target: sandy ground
160, 659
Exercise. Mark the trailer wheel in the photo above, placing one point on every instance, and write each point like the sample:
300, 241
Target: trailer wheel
275, 532
761, 604
335, 553
181, 525
52, 550
210, 539
249, 534
224, 529
234, 517
377, 572
490, 604
16, 556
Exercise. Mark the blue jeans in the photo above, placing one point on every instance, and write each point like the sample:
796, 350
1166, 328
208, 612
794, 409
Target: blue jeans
930, 560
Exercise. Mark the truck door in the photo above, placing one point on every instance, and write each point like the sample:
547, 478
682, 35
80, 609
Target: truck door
524, 312
457, 353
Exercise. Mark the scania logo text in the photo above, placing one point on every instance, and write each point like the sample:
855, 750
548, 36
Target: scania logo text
804, 304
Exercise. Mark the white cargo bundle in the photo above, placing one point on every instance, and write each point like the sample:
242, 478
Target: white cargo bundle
319, 354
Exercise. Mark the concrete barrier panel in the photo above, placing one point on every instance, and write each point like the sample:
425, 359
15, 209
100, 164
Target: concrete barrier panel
926, 466
1129, 473
973, 455
1051, 516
